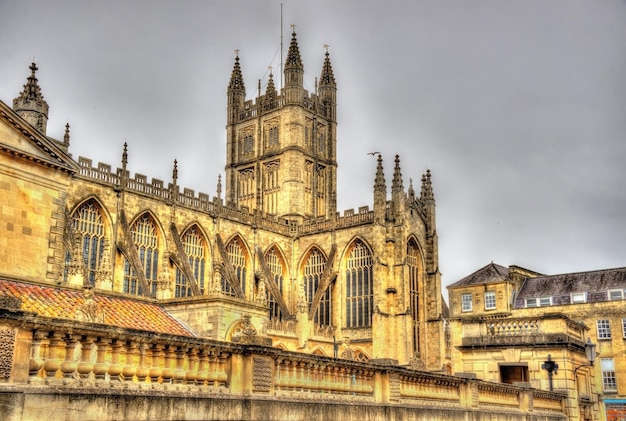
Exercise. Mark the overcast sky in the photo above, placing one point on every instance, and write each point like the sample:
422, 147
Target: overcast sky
517, 107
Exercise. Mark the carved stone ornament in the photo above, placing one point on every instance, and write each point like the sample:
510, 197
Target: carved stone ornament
90, 311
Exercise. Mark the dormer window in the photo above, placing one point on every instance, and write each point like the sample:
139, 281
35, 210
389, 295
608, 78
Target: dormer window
538, 302
616, 294
578, 297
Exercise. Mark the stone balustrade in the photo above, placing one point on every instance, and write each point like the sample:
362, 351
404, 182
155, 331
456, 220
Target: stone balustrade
99, 363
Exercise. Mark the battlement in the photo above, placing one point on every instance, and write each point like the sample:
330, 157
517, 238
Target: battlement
266, 103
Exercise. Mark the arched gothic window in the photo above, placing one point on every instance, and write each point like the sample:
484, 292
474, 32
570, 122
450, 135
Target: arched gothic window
359, 286
313, 269
144, 235
238, 258
412, 260
195, 249
87, 222
276, 266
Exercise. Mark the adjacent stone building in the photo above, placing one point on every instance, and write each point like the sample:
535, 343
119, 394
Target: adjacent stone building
507, 322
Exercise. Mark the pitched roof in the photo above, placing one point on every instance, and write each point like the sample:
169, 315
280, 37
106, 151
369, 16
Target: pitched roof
61, 303
563, 285
488, 274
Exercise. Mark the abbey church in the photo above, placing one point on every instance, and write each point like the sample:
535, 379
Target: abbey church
266, 259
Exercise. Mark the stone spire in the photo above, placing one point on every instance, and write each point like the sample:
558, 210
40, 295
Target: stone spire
380, 193
328, 89
411, 191
271, 89
397, 190
396, 183
30, 104
427, 196
294, 73
236, 91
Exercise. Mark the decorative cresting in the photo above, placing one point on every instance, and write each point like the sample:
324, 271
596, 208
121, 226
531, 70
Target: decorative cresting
327, 277
227, 270
128, 249
268, 278
182, 261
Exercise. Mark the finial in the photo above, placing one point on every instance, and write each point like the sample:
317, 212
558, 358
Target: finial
293, 27
175, 172
219, 186
66, 137
326, 47
236, 52
125, 156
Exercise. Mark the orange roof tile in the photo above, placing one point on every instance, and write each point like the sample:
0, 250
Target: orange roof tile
61, 303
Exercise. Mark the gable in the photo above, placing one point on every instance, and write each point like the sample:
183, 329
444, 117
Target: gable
20, 139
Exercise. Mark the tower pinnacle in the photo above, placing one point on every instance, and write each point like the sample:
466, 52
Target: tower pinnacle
30, 104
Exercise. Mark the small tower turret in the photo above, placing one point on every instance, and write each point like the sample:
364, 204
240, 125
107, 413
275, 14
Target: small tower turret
380, 193
294, 73
427, 198
328, 89
30, 104
236, 91
397, 190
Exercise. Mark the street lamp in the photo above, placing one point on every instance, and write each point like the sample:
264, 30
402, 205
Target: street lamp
590, 350
551, 367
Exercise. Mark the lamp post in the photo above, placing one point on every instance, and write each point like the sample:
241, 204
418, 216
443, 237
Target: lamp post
590, 350
551, 367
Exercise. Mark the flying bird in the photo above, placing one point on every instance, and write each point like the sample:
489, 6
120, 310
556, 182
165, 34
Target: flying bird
373, 153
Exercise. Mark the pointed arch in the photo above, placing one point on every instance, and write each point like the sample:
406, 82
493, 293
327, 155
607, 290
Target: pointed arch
317, 276
415, 265
90, 227
275, 266
319, 351
196, 251
146, 234
236, 261
359, 284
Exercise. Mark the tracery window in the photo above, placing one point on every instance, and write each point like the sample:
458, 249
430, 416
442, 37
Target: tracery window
248, 144
195, 250
271, 187
313, 269
87, 222
359, 287
412, 260
276, 266
247, 188
238, 259
273, 136
321, 190
144, 235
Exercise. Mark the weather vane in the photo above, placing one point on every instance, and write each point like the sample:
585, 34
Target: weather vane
293, 27
237, 52
326, 46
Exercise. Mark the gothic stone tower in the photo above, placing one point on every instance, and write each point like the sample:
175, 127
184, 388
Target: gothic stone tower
281, 149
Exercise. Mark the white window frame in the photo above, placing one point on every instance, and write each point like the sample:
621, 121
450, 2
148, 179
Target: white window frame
530, 302
624, 328
466, 305
603, 327
545, 301
619, 294
609, 381
578, 297
490, 297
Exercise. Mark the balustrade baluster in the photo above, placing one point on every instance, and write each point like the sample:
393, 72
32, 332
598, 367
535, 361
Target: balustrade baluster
85, 365
192, 369
129, 369
142, 371
100, 368
115, 368
69, 364
179, 373
53, 359
168, 372
156, 367
36, 361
